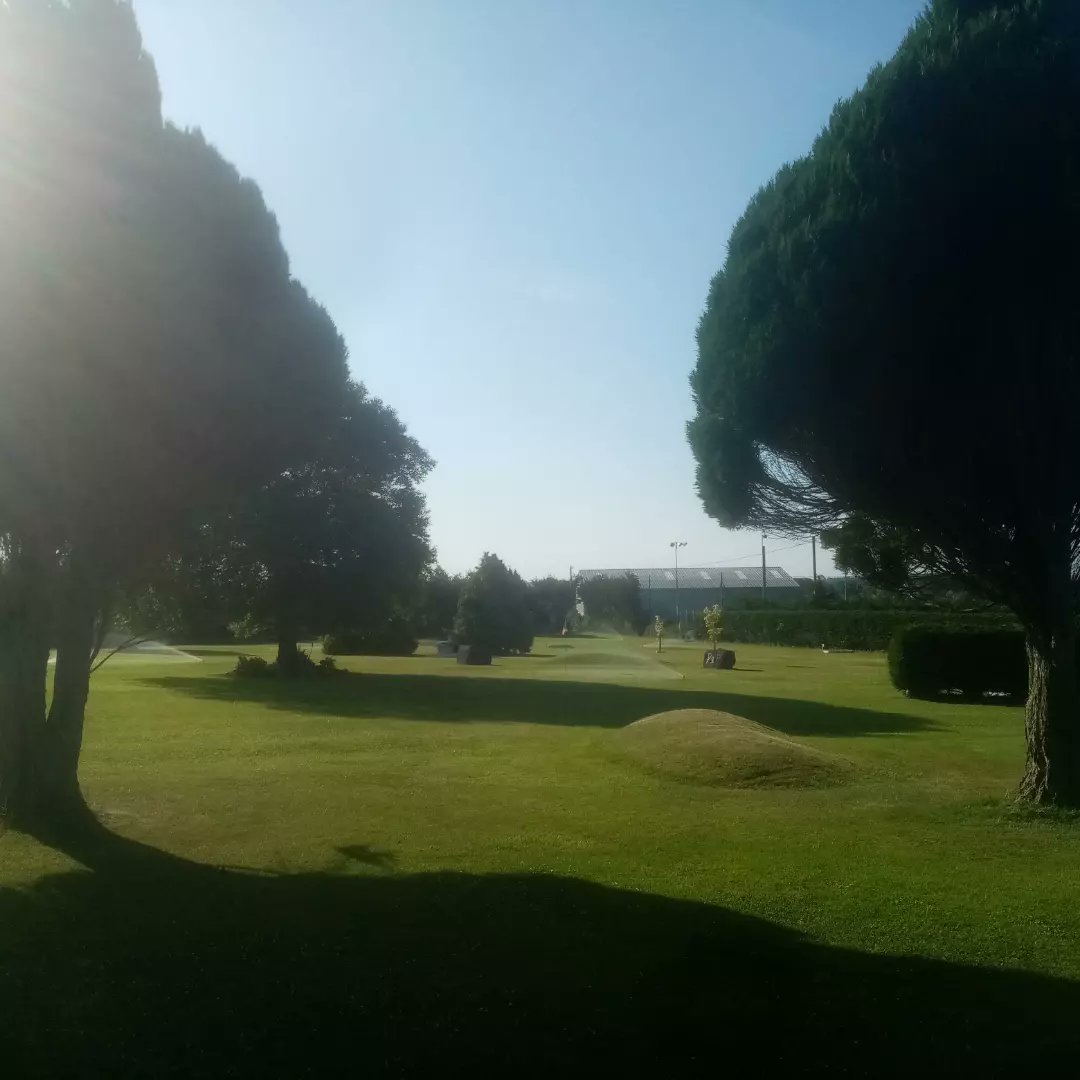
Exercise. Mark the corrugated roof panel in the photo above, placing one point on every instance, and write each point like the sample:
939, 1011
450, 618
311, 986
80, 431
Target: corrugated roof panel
699, 577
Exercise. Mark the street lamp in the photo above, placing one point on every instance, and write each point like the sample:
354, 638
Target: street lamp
676, 544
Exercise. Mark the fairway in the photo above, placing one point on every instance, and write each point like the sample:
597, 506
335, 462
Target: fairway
423, 865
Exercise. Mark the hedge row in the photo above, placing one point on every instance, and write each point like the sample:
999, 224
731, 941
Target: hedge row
926, 662
841, 629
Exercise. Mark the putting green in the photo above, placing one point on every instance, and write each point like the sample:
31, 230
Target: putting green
609, 659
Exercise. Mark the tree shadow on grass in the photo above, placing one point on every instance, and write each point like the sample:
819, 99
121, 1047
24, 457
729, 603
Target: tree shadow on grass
535, 701
369, 856
147, 964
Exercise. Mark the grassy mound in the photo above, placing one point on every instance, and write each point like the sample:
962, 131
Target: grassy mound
710, 747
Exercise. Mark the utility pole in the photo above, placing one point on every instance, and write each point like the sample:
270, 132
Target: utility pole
813, 563
676, 544
721, 589
763, 582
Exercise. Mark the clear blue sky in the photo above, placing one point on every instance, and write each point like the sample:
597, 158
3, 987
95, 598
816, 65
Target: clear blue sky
512, 209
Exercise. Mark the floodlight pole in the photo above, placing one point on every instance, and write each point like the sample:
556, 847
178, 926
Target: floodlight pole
813, 563
763, 585
676, 544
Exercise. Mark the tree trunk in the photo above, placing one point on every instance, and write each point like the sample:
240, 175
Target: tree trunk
1053, 717
60, 799
24, 658
284, 589
288, 651
288, 655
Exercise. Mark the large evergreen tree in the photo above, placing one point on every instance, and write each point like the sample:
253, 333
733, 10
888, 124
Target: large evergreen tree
894, 334
493, 610
156, 357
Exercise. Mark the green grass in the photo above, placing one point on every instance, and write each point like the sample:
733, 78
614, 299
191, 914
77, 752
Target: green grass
426, 866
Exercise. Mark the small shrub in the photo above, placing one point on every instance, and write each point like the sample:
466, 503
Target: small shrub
252, 667
255, 667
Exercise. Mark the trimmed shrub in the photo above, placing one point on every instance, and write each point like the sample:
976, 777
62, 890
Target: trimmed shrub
927, 661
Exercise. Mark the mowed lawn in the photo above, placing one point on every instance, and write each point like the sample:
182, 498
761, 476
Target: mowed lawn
424, 867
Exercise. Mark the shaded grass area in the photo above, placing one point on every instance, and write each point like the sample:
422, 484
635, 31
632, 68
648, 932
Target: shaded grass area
147, 964
410, 696
456, 870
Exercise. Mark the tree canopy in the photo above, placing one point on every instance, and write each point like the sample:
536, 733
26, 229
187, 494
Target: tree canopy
336, 543
893, 337
158, 356
437, 603
614, 602
151, 324
551, 604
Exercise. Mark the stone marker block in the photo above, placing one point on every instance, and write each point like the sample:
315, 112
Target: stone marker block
473, 654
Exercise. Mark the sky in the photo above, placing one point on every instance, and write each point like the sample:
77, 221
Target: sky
512, 209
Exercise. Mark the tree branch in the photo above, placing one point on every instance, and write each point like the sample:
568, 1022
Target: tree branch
119, 648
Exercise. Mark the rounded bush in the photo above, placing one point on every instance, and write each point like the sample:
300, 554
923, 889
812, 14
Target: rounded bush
927, 661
